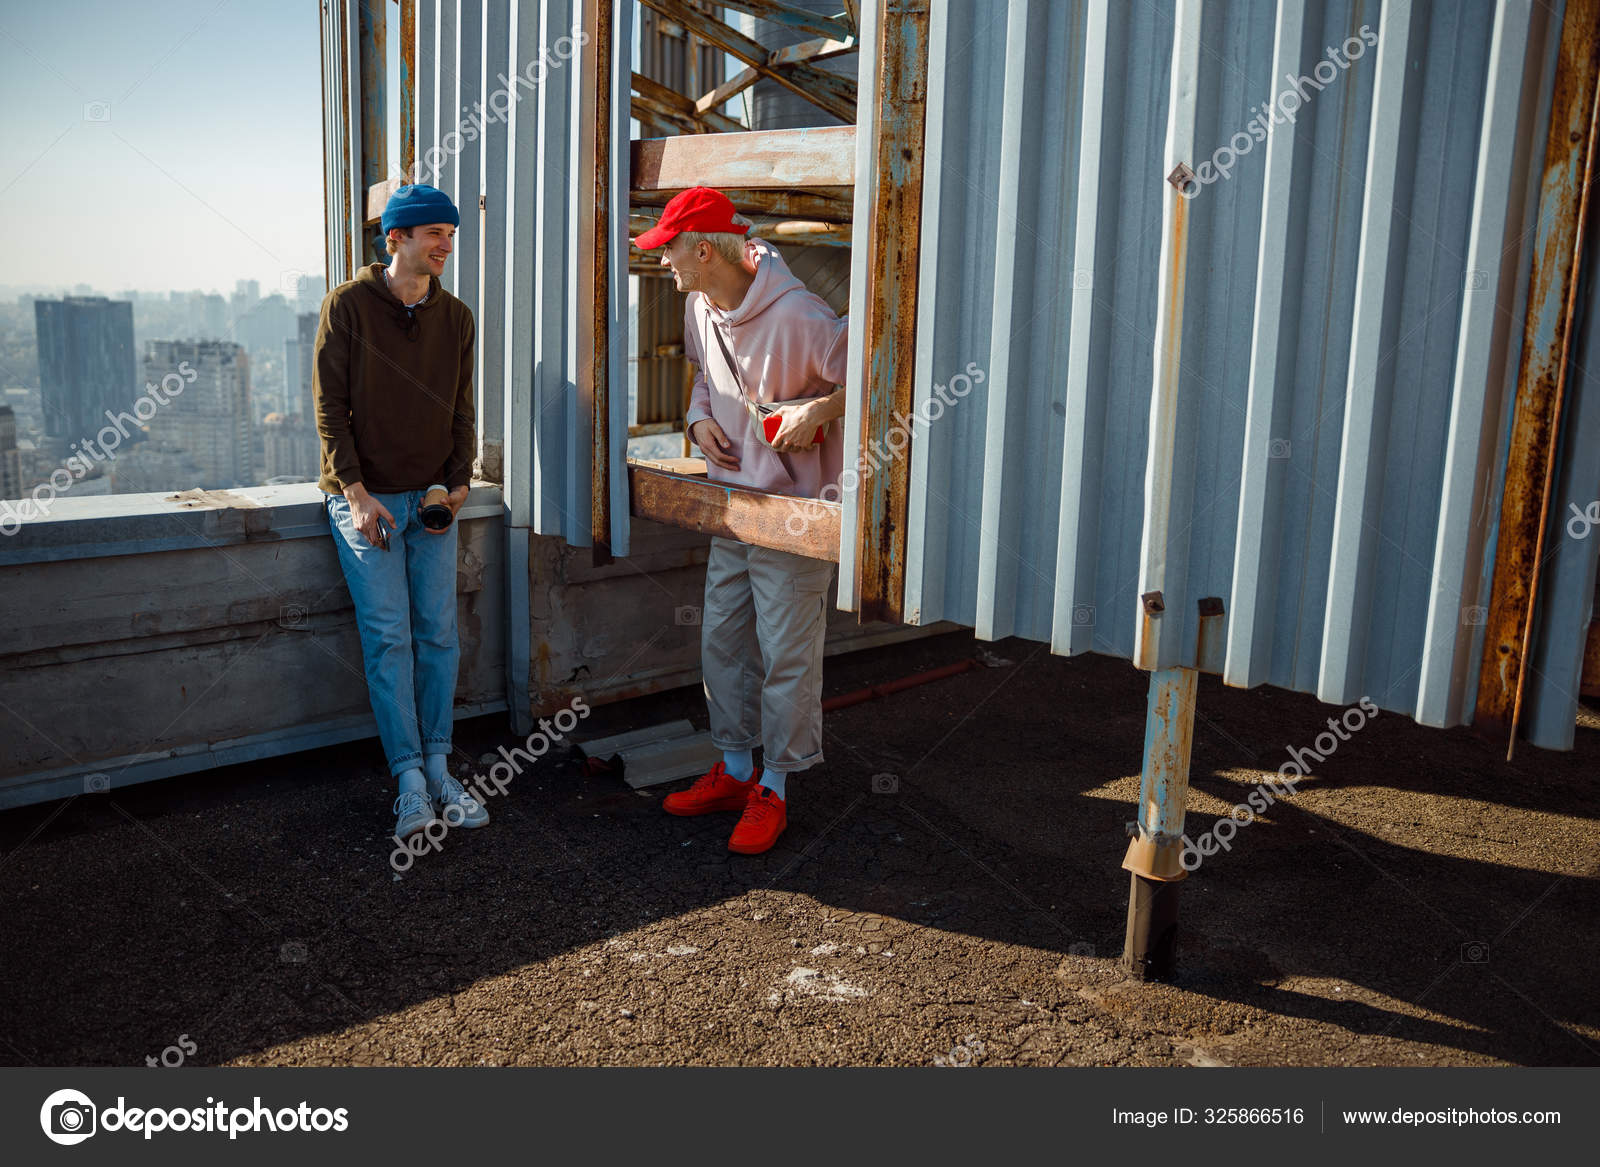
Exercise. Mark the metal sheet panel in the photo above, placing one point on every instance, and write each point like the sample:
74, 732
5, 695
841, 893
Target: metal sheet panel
1285, 394
499, 112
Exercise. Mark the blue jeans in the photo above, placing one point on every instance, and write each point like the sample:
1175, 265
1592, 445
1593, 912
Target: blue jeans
405, 602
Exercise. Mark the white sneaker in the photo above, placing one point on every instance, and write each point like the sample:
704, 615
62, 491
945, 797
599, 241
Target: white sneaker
456, 807
414, 811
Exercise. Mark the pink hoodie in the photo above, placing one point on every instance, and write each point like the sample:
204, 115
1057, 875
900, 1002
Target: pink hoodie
789, 344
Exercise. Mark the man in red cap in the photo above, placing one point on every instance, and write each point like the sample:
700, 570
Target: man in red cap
757, 338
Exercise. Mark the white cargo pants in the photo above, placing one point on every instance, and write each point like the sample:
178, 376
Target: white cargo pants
761, 652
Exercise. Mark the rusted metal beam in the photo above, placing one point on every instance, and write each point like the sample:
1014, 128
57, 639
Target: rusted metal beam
1154, 856
1568, 177
752, 159
894, 236
828, 91
408, 86
669, 101
594, 269
373, 57
802, 526
833, 206
790, 17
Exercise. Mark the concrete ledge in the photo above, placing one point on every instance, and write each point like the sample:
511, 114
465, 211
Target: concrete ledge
132, 524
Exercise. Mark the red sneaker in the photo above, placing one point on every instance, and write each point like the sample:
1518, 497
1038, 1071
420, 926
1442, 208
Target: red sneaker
763, 821
714, 790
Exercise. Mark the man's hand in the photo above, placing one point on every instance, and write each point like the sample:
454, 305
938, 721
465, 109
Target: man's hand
366, 511
797, 428
801, 423
457, 499
713, 443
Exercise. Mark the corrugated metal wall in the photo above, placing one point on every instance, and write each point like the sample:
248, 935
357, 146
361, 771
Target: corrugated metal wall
1339, 321
517, 259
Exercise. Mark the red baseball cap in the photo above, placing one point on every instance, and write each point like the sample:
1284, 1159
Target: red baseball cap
697, 209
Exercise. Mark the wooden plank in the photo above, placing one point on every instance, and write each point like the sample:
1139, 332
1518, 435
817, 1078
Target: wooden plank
828, 203
758, 517
893, 241
728, 90
1589, 685
832, 92
378, 197
659, 96
816, 50
751, 160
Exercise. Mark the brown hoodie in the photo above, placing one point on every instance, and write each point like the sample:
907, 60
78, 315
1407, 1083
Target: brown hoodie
392, 388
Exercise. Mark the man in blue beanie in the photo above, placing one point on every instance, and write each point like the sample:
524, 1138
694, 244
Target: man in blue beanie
392, 381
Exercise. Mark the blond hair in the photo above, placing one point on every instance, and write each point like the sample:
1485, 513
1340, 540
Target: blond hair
728, 244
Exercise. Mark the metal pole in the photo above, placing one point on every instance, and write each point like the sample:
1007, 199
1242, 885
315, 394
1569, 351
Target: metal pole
1155, 854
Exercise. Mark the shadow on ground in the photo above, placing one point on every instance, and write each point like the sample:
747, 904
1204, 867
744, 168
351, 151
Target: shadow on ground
1418, 901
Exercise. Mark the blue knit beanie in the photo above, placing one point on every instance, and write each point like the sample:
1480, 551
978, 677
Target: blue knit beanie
419, 203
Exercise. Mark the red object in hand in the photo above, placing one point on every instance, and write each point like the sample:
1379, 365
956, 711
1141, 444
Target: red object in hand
772, 423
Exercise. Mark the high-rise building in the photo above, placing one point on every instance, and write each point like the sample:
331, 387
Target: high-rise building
210, 418
264, 327
86, 362
10, 460
313, 290
288, 451
306, 354
213, 317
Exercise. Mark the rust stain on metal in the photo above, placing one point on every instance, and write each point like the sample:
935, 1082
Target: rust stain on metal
1536, 423
894, 235
600, 305
408, 87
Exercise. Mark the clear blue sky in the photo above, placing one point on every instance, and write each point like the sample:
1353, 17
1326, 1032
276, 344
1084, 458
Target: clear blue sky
208, 168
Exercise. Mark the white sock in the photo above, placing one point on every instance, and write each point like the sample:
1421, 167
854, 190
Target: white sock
739, 764
773, 781
438, 769
412, 779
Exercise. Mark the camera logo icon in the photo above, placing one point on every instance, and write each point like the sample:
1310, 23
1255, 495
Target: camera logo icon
686, 616
1083, 615
292, 616
885, 784
1279, 448
97, 111
96, 783
1474, 615
68, 1117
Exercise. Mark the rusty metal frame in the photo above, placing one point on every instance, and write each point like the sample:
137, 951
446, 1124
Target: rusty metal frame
893, 239
1564, 198
828, 91
408, 87
594, 269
